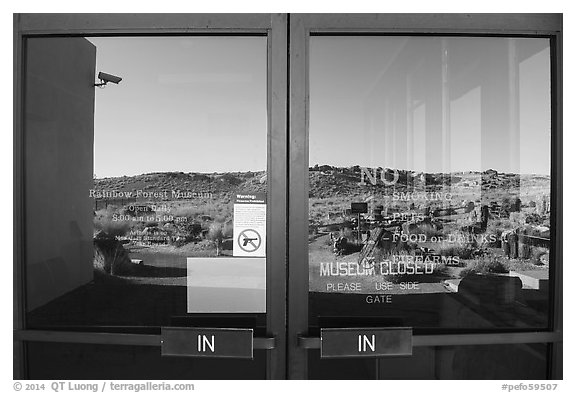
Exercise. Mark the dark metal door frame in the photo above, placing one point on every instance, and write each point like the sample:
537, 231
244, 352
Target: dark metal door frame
287, 298
301, 28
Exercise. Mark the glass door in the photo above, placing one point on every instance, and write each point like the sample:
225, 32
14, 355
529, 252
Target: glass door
152, 198
423, 200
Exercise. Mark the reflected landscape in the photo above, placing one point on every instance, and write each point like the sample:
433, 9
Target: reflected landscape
429, 185
168, 150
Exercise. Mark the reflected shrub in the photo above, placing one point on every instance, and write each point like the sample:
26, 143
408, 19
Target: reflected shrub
463, 251
488, 265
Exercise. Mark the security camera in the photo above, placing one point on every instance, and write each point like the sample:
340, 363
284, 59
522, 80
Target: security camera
105, 78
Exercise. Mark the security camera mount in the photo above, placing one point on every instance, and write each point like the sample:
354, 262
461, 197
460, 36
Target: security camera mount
102, 84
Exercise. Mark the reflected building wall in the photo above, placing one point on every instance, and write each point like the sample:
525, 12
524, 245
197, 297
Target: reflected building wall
58, 143
466, 91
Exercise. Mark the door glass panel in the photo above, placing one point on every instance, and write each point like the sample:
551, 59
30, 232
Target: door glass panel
512, 361
125, 362
470, 362
136, 192
429, 198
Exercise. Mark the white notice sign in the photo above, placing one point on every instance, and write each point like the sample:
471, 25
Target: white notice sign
226, 285
249, 225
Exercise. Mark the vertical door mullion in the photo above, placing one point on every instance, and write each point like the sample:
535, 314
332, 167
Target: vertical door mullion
298, 198
276, 179
555, 369
19, 320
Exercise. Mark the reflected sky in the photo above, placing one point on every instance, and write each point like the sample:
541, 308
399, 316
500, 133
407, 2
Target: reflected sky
190, 104
198, 104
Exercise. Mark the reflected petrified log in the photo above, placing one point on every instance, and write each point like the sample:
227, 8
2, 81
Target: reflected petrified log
513, 242
523, 245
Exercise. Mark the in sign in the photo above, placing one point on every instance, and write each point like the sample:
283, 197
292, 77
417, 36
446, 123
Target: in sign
207, 342
204, 343
364, 343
